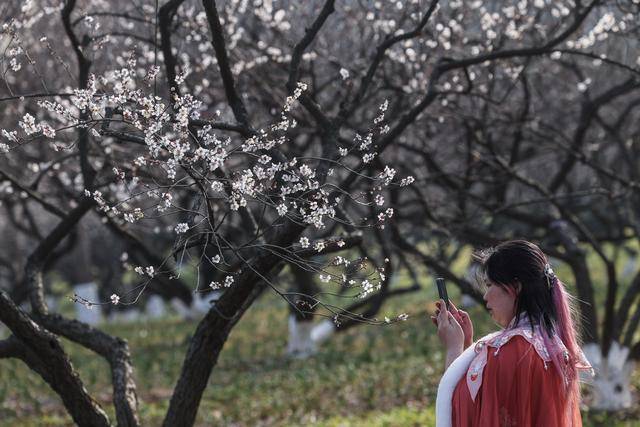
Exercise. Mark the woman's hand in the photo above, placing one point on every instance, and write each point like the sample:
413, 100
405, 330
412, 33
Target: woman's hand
462, 317
465, 322
450, 333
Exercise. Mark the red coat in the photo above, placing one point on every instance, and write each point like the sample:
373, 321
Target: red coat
517, 390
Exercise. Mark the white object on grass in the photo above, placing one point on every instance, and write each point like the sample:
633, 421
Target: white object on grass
300, 344
182, 309
610, 386
323, 331
155, 308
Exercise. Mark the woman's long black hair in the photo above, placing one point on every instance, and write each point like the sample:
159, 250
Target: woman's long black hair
521, 264
523, 267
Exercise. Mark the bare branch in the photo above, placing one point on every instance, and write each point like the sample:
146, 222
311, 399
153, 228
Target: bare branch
115, 351
11, 347
589, 111
381, 51
309, 35
217, 39
33, 195
165, 17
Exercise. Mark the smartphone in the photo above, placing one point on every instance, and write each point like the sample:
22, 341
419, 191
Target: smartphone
442, 290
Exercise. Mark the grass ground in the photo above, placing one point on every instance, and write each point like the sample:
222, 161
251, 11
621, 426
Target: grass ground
368, 376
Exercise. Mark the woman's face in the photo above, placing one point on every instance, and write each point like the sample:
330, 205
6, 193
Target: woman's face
501, 303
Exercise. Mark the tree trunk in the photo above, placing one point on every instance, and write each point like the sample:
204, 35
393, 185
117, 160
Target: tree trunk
586, 299
213, 330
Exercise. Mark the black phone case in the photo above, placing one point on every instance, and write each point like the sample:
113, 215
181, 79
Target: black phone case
442, 290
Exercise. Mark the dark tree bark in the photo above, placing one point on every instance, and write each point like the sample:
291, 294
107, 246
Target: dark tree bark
44, 354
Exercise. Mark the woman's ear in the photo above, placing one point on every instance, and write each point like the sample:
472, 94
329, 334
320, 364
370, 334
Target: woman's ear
515, 290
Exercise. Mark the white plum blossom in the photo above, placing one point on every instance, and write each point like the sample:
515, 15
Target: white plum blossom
228, 281
338, 260
215, 259
306, 171
99, 199
304, 242
368, 288
10, 135
217, 186
383, 108
15, 65
167, 198
300, 87
387, 175
364, 142
282, 209
28, 124
118, 173
115, 299
153, 72
324, 278
407, 181
368, 157
584, 85
344, 73
181, 228
47, 130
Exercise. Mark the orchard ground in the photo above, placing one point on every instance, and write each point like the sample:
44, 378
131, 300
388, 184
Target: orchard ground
367, 376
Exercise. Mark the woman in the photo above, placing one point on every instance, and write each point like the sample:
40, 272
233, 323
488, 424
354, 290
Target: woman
527, 373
